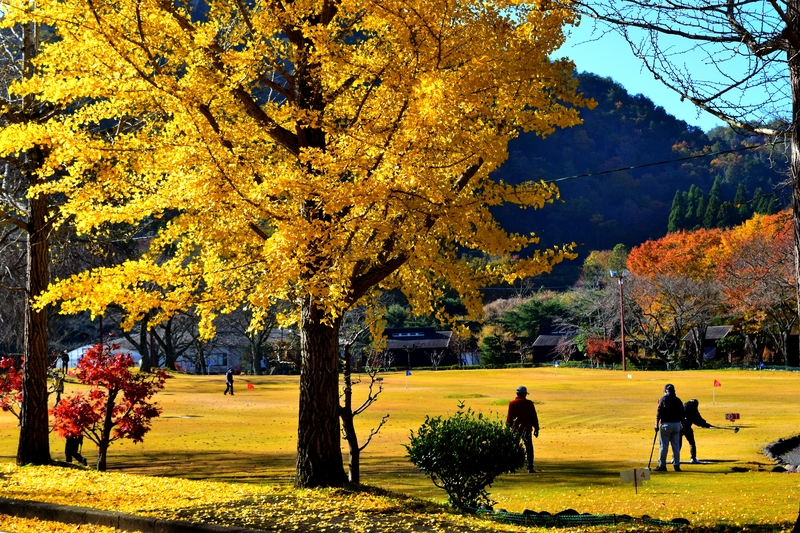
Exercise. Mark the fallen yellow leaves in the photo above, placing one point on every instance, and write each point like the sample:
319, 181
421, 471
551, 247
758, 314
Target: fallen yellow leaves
231, 504
13, 524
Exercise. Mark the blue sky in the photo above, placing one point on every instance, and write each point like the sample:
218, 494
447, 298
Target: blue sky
609, 55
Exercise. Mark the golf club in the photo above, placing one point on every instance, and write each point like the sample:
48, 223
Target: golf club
734, 429
652, 450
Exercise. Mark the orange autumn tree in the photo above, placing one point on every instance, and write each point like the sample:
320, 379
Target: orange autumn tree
755, 266
675, 290
310, 151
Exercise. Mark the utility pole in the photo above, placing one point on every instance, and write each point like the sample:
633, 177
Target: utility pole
621, 277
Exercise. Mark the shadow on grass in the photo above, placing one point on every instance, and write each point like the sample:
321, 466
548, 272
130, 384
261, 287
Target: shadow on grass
212, 465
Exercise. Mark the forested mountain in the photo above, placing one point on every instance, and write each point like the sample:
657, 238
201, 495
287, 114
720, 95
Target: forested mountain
630, 206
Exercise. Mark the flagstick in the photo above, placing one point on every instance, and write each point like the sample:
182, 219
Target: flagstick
714, 395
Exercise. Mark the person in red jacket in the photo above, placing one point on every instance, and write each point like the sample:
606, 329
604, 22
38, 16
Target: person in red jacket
522, 419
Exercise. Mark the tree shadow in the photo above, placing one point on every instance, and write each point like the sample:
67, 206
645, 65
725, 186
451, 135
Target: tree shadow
212, 465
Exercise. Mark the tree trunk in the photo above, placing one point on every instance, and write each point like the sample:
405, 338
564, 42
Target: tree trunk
319, 454
102, 453
348, 427
108, 425
794, 81
144, 349
354, 460
34, 434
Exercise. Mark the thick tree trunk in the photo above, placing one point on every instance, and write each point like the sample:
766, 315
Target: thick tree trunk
319, 454
34, 435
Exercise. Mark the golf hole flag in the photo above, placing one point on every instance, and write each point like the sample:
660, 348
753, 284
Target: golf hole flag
717, 383
714, 391
250, 385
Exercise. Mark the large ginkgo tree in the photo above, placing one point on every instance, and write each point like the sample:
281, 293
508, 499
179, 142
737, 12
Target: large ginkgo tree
309, 151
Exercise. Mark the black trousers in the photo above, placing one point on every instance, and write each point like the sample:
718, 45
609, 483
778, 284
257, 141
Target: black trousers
71, 450
688, 432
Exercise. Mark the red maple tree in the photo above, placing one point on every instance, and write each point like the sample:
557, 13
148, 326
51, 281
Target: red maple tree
602, 351
10, 386
118, 403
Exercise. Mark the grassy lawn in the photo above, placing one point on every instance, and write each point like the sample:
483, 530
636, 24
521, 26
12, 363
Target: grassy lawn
595, 423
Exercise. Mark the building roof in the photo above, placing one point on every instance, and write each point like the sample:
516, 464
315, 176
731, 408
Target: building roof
417, 339
552, 340
713, 333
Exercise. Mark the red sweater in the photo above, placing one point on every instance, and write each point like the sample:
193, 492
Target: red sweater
522, 415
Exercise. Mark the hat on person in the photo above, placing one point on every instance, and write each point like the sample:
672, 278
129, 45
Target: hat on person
669, 387
522, 390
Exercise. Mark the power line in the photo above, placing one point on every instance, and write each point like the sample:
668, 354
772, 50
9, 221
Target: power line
687, 158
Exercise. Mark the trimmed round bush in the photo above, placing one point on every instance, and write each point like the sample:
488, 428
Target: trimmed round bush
464, 454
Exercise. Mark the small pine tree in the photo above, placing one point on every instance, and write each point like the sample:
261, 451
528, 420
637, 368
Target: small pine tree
675, 221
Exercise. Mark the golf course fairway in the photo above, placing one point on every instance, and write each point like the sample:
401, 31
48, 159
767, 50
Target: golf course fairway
594, 424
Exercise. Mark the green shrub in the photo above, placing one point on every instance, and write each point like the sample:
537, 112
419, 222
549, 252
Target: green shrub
464, 454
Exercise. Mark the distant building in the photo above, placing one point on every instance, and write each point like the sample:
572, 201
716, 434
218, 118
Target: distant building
544, 347
713, 334
413, 347
122, 346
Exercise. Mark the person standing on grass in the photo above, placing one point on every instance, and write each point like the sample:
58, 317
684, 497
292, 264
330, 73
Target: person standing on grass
58, 386
229, 381
669, 421
523, 419
692, 416
64, 361
71, 449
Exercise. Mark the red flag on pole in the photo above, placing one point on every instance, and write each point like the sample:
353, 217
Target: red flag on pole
717, 383
250, 385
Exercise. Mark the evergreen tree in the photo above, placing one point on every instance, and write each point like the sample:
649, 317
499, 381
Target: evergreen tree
743, 207
700, 212
619, 258
727, 216
714, 201
758, 198
692, 200
676, 214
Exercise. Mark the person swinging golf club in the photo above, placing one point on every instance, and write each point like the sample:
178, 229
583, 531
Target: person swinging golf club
669, 421
693, 417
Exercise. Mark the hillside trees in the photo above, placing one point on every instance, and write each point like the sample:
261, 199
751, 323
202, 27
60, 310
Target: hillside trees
748, 66
677, 289
304, 151
755, 269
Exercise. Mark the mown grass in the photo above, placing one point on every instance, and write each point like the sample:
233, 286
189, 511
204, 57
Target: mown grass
595, 423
